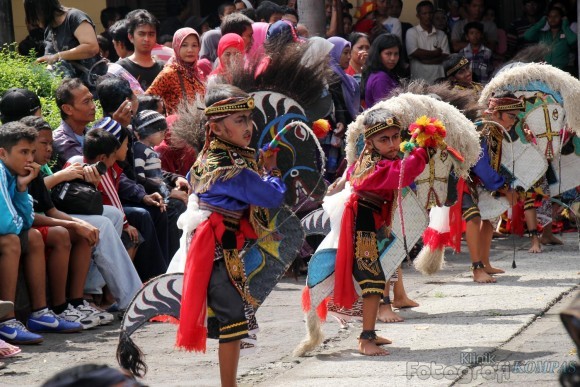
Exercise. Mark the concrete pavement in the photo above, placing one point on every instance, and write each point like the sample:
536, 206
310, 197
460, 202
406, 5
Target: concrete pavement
457, 324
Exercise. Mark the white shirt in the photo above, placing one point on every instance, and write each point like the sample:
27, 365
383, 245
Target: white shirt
417, 38
393, 26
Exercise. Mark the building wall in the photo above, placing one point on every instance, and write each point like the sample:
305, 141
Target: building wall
92, 8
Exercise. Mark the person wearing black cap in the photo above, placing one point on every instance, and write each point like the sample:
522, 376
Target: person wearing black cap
17, 103
458, 73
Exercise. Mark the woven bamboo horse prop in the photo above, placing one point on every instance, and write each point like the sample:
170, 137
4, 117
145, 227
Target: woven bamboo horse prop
461, 135
552, 115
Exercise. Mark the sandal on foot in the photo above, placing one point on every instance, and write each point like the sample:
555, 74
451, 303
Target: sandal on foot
8, 350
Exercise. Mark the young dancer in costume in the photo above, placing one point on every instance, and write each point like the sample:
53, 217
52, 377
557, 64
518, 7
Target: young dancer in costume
459, 75
375, 177
502, 112
229, 183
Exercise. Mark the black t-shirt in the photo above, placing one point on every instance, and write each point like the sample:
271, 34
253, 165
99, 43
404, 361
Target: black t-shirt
40, 195
64, 33
144, 75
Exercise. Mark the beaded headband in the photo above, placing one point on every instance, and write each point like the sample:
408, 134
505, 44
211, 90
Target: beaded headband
229, 106
462, 62
388, 123
505, 104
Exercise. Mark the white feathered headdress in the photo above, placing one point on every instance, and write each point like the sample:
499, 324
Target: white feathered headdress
519, 76
408, 107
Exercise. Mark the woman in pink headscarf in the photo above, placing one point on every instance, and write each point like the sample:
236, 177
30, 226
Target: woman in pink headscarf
181, 80
230, 53
257, 50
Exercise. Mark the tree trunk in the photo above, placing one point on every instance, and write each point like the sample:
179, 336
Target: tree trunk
312, 15
6, 25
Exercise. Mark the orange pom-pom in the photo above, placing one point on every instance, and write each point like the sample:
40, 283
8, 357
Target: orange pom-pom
321, 127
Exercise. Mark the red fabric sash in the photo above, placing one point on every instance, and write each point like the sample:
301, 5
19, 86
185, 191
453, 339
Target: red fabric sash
344, 292
192, 330
456, 223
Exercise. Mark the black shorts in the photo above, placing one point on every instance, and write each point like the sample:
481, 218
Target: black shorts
227, 305
23, 236
367, 269
468, 208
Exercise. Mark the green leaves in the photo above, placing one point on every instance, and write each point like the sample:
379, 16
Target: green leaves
22, 71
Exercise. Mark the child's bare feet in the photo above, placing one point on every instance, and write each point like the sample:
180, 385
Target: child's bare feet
480, 276
536, 245
369, 348
382, 341
550, 239
404, 302
493, 270
387, 315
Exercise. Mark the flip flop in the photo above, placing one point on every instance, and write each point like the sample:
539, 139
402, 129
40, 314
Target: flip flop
8, 350
5, 308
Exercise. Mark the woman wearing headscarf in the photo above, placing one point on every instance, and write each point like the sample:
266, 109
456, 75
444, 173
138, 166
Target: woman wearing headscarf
257, 50
346, 99
181, 80
231, 51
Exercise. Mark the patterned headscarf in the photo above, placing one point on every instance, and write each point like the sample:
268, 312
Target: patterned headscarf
191, 70
350, 87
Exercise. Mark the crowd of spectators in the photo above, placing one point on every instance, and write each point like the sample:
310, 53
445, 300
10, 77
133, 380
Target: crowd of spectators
142, 70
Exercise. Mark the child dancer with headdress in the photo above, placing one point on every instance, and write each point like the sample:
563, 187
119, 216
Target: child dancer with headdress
230, 187
501, 113
374, 178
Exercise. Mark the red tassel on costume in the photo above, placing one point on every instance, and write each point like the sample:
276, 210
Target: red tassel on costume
436, 240
306, 304
322, 309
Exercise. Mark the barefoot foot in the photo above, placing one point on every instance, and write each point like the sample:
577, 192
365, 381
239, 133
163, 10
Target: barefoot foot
369, 348
382, 341
404, 302
550, 240
480, 276
493, 270
536, 245
387, 315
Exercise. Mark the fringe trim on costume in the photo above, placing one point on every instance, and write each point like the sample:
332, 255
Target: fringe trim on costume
314, 335
130, 356
196, 345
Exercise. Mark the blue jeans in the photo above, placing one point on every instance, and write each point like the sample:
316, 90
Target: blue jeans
111, 264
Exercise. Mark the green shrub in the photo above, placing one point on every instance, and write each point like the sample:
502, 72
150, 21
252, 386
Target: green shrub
22, 71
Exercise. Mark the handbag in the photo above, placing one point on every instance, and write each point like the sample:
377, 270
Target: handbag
89, 70
77, 197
